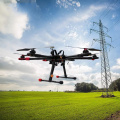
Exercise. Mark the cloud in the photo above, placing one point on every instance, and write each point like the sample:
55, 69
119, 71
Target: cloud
73, 34
68, 3
8, 64
22, 82
23, 75
97, 64
118, 61
76, 69
117, 66
83, 73
73, 29
89, 13
115, 75
9, 1
78, 4
12, 21
113, 16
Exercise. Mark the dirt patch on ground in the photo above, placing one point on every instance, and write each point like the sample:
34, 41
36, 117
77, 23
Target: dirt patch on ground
115, 116
107, 96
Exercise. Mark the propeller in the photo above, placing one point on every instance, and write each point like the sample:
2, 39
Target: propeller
26, 49
91, 49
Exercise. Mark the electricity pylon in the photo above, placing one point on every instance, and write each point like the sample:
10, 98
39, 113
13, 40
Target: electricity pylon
105, 67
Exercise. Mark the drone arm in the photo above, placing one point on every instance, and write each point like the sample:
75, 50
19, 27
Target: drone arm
89, 58
39, 55
80, 55
38, 58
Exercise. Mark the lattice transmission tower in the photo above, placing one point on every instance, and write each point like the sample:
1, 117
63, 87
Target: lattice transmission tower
105, 67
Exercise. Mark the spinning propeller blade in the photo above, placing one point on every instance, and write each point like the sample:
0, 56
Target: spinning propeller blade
91, 49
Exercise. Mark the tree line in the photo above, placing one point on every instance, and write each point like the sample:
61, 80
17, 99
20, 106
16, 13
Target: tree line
115, 85
88, 87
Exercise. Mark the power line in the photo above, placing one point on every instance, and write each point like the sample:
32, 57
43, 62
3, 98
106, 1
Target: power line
107, 12
106, 8
117, 22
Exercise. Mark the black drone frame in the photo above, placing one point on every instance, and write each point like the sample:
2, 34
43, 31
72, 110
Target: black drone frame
55, 58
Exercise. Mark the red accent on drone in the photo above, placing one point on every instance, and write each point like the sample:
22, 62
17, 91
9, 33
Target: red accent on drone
85, 48
27, 58
44, 60
57, 76
40, 80
93, 59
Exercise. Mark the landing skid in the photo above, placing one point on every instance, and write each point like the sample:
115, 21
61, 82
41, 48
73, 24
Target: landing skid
60, 82
66, 77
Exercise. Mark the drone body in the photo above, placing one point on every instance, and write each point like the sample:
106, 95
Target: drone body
57, 58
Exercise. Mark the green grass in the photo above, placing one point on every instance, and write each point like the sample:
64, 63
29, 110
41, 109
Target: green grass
56, 106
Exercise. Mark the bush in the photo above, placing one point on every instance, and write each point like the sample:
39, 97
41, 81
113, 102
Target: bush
85, 87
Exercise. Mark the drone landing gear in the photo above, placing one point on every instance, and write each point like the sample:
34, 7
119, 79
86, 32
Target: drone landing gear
60, 82
51, 74
66, 77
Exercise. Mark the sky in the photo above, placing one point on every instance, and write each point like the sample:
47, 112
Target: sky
59, 23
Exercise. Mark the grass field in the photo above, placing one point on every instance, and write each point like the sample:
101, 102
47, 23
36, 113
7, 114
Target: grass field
56, 106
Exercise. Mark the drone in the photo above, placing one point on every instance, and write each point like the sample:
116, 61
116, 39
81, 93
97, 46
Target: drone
56, 58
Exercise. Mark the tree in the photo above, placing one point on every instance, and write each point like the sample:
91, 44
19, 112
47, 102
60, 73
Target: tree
85, 87
115, 85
